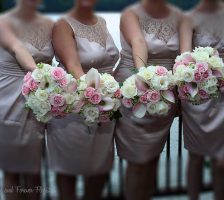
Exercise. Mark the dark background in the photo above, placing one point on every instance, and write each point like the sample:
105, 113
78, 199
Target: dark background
57, 6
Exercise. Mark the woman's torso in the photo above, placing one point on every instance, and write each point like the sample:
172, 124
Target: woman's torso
95, 46
161, 35
36, 37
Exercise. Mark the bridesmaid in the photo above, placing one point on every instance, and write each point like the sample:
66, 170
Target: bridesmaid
204, 124
25, 38
149, 34
81, 41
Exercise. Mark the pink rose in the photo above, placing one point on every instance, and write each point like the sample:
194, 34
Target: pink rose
27, 77
95, 98
161, 71
89, 92
206, 75
104, 117
78, 106
118, 94
187, 59
25, 90
127, 103
57, 100
203, 94
32, 85
184, 89
57, 111
63, 82
202, 67
58, 73
197, 77
153, 96
144, 98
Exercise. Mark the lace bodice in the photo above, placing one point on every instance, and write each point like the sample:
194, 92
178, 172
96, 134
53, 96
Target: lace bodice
209, 29
161, 35
95, 45
163, 29
36, 37
95, 33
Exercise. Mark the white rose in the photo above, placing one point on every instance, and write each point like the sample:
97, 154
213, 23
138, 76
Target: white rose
212, 81
151, 108
44, 107
160, 82
91, 113
216, 62
82, 86
111, 86
146, 73
69, 98
38, 75
129, 91
162, 108
42, 95
208, 50
201, 56
211, 90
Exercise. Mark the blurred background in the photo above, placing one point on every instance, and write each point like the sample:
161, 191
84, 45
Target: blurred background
55, 6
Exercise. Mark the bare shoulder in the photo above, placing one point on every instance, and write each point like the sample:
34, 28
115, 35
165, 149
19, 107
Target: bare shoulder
128, 13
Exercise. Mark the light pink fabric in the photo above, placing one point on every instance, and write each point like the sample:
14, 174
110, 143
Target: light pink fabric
73, 147
204, 124
21, 136
141, 140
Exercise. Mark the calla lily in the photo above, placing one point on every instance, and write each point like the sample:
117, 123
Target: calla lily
93, 78
141, 84
193, 90
108, 104
169, 96
139, 110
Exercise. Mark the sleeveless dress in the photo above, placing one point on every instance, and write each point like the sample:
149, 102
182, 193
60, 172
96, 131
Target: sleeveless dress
141, 140
204, 124
21, 136
73, 147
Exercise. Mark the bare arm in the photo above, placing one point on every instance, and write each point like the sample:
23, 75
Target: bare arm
132, 33
186, 34
9, 41
65, 48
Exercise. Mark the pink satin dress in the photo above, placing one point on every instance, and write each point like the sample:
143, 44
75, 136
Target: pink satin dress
21, 136
204, 124
73, 147
141, 140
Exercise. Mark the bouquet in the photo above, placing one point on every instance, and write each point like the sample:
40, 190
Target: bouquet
199, 75
49, 92
99, 98
150, 90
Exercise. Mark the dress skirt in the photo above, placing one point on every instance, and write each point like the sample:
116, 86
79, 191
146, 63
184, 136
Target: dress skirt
21, 136
204, 127
141, 140
76, 149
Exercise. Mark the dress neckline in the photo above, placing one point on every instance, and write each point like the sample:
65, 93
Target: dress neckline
86, 25
156, 19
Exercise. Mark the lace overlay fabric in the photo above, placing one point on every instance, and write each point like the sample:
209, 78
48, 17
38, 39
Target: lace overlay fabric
93, 33
163, 29
38, 33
